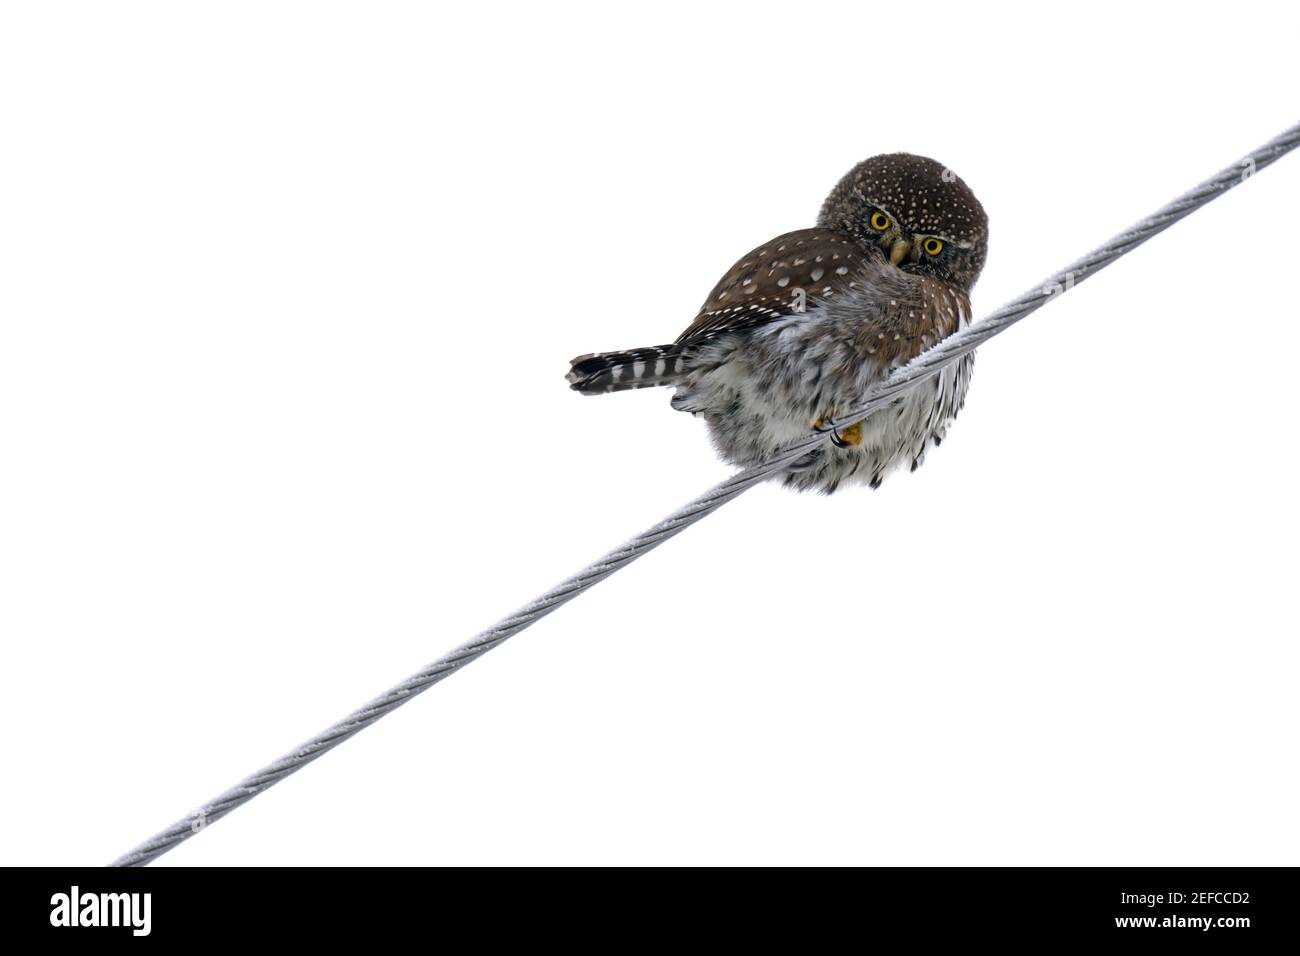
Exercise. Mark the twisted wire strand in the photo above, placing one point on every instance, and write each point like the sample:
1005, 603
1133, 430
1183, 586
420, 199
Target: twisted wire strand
923, 366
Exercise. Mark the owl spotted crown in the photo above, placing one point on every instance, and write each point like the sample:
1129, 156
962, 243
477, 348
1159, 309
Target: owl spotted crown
922, 198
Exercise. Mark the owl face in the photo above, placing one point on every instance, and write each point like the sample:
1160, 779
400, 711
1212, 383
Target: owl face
915, 213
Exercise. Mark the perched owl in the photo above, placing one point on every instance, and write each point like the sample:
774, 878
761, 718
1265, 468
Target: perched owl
798, 329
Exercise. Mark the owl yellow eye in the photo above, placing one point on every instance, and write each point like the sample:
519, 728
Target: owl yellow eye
879, 221
932, 247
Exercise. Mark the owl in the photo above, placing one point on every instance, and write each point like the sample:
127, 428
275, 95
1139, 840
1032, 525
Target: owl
798, 329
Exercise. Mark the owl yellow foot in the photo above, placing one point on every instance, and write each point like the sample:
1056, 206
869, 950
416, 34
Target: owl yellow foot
850, 437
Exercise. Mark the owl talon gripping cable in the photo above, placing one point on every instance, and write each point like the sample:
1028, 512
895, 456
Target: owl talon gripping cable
805, 323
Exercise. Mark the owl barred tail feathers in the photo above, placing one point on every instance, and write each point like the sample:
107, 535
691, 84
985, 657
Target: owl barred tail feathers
635, 368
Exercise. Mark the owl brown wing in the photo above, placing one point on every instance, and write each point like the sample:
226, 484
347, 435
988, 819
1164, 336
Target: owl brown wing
786, 276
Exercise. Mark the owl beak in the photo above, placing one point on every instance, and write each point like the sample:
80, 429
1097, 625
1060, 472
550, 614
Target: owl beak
898, 251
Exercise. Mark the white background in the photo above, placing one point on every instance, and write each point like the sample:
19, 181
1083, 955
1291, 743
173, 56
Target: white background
287, 293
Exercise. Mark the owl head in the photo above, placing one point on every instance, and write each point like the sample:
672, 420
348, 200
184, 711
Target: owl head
913, 212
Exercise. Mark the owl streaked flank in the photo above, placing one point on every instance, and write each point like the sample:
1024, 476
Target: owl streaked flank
799, 328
